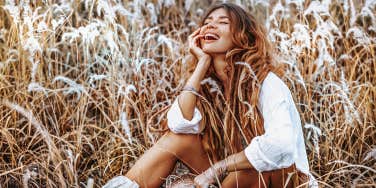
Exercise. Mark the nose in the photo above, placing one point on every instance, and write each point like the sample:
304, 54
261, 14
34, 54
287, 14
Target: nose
210, 25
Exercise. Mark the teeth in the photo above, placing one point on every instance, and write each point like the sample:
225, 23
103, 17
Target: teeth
211, 36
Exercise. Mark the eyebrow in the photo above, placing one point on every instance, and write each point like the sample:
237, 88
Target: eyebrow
221, 17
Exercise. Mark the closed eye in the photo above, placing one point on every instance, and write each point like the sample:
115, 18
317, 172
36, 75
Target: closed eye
219, 22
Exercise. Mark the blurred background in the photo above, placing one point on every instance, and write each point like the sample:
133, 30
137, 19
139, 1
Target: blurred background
80, 81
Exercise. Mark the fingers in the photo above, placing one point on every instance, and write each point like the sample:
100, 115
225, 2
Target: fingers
194, 43
195, 32
196, 185
196, 39
201, 181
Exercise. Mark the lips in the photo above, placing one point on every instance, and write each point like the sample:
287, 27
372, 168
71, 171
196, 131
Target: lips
211, 37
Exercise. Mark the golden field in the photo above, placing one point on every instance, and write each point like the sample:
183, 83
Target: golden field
80, 82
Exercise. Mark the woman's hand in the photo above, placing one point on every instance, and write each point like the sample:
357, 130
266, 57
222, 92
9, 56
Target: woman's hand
195, 47
206, 178
210, 175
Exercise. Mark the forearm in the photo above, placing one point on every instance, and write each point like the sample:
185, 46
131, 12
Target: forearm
235, 162
187, 100
232, 163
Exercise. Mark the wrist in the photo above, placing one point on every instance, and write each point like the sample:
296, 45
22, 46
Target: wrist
205, 57
221, 167
203, 64
205, 60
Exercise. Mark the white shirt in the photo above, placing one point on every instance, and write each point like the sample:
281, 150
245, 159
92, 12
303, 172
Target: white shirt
283, 141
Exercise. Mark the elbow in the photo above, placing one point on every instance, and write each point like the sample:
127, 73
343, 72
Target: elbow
287, 158
186, 107
187, 116
172, 126
177, 123
287, 152
287, 143
284, 152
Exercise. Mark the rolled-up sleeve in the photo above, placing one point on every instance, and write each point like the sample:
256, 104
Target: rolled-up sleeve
178, 124
275, 149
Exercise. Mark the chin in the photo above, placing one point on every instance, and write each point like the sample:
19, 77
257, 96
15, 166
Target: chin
213, 51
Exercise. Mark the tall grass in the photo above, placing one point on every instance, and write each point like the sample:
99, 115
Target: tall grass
80, 81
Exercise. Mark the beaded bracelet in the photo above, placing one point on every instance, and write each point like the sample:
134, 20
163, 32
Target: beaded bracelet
190, 88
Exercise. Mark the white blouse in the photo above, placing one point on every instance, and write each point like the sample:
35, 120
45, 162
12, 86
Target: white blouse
283, 141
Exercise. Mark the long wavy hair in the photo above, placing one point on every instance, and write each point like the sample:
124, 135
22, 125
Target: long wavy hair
232, 124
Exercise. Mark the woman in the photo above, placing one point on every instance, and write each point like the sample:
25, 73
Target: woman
249, 137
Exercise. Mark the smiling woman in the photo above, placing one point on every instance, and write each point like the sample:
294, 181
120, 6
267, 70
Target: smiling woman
252, 134
217, 36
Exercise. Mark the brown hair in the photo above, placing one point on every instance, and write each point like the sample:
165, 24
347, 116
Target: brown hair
251, 61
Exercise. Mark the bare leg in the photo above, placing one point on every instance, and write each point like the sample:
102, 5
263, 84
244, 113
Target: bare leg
251, 178
158, 162
246, 178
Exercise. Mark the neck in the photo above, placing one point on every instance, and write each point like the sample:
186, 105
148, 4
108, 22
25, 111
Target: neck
222, 71
220, 64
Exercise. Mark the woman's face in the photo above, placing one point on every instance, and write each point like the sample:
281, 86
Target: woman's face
217, 34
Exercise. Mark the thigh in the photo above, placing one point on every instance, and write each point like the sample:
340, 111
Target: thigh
283, 177
188, 149
247, 179
195, 157
155, 164
158, 161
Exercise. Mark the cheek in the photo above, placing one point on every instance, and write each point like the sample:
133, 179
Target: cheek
227, 36
228, 40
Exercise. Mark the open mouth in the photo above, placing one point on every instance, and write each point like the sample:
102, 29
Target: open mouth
211, 37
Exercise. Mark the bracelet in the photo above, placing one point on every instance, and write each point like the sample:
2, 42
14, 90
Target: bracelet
190, 88
222, 168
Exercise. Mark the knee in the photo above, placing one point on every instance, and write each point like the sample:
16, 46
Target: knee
181, 143
184, 140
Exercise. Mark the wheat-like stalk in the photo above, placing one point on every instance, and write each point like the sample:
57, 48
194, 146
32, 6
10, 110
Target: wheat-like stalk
81, 80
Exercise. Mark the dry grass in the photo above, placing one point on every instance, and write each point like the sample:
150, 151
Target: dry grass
80, 81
